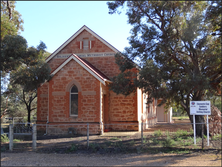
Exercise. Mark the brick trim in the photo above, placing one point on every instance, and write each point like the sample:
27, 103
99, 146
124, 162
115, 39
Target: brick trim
59, 93
89, 93
73, 82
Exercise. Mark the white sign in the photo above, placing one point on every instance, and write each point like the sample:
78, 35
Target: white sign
200, 108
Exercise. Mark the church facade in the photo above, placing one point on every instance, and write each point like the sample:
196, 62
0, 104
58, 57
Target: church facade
78, 93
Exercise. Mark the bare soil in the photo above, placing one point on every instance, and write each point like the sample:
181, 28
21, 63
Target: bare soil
160, 159
111, 150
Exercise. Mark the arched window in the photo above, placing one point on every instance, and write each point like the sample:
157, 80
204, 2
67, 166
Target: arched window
74, 101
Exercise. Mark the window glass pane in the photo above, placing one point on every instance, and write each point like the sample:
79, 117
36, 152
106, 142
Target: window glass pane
74, 89
74, 104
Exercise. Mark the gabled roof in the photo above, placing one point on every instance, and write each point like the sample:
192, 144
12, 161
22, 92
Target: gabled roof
86, 65
75, 35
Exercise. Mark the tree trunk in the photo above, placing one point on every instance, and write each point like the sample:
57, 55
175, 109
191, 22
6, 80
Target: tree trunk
29, 114
29, 119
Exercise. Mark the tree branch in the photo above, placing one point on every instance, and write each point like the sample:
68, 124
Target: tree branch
9, 10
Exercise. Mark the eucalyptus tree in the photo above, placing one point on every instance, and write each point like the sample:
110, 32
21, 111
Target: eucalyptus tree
29, 76
178, 58
11, 21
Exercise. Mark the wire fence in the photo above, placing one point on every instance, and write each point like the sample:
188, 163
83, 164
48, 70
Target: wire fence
118, 137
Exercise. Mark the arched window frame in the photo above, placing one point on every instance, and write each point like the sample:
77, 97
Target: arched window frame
75, 100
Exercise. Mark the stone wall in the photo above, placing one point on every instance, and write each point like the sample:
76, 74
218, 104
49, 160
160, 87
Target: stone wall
42, 103
88, 95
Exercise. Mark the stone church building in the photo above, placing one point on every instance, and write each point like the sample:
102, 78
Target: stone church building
78, 92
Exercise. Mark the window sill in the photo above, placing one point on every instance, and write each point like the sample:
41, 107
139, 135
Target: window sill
73, 115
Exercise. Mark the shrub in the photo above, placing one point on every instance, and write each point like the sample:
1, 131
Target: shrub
180, 133
178, 139
168, 142
157, 133
4, 138
167, 133
215, 137
73, 147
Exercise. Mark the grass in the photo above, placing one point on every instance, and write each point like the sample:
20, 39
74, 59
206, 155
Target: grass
17, 140
216, 137
178, 142
5, 139
181, 117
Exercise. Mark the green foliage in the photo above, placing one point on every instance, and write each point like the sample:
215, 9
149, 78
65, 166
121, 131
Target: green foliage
216, 101
30, 71
156, 141
13, 104
178, 139
214, 14
178, 57
181, 133
157, 133
124, 82
187, 143
24, 66
11, 21
216, 137
168, 142
132, 142
167, 133
13, 49
4, 138
183, 117
93, 146
73, 148
30, 77
17, 140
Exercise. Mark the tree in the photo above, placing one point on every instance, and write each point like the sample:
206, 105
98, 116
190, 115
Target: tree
11, 104
214, 14
29, 76
11, 24
178, 57
11, 21
13, 52
27, 71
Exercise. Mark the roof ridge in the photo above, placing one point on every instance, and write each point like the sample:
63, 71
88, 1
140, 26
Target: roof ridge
84, 27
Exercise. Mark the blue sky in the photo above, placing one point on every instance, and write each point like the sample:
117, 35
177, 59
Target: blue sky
53, 22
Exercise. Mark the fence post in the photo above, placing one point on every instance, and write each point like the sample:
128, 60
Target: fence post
142, 133
101, 125
34, 136
202, 135
87, 135
11, 137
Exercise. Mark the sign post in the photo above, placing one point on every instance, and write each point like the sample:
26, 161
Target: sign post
200, 108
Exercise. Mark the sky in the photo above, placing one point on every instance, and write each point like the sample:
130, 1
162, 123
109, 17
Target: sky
53, 22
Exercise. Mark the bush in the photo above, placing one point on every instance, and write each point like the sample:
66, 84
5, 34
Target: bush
4, 138
181, 133
168, 142
157, 133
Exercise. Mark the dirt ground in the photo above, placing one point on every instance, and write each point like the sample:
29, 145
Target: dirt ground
160, 159
52, 151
